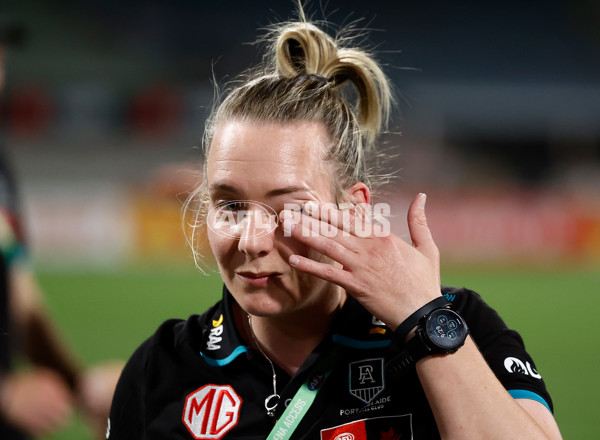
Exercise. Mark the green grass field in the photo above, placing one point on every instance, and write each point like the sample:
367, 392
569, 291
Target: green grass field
107, 315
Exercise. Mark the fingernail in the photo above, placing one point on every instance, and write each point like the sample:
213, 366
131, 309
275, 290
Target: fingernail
285, 215
294, 260
310, 207
422, 200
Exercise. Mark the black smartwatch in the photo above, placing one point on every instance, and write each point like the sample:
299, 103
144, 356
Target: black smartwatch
442, 331
409, 323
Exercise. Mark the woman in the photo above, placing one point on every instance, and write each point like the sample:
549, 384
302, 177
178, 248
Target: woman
297, 348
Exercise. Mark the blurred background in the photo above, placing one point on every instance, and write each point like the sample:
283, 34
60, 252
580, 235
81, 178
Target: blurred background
498, 120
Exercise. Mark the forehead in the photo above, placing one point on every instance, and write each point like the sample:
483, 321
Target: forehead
268, 154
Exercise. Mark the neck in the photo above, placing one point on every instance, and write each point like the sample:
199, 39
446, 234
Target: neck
288, 340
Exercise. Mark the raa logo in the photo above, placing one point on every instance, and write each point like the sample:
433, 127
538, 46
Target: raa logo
211, 411
378, 326
214, 338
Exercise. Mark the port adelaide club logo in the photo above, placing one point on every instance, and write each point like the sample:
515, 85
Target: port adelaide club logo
366, 379
211, 411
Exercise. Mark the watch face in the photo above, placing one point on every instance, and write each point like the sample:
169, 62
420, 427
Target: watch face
446, 328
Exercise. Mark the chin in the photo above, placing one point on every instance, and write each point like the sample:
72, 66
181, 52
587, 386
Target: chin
262, 306
261, 302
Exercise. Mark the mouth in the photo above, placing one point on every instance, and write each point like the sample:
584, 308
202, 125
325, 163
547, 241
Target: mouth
258, 279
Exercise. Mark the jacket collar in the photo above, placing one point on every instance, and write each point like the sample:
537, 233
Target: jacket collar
353, 327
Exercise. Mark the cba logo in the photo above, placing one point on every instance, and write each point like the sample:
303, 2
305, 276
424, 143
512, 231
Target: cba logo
211, 411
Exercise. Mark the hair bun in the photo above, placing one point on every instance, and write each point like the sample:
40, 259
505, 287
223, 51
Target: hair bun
302, 48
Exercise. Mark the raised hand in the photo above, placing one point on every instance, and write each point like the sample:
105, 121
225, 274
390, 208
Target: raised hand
388, 276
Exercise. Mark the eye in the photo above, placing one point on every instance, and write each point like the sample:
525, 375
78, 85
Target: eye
228, 213
233, 206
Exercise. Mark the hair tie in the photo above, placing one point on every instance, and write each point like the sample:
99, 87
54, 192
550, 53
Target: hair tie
320, 80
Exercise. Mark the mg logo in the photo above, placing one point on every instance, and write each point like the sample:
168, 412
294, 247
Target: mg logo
212, 411
344, 436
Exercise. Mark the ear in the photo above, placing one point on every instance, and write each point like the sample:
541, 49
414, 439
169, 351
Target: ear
359, 193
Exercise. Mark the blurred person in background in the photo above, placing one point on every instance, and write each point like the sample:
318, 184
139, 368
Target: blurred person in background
38, 398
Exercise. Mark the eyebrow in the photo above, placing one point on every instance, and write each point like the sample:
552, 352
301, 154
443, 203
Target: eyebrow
224, 187
287, 190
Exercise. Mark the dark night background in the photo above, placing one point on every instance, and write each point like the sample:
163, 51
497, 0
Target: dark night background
502, 96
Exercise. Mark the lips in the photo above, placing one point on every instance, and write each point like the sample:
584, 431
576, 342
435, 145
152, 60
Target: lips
259, 279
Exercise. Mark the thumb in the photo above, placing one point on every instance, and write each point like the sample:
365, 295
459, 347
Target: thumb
419, 231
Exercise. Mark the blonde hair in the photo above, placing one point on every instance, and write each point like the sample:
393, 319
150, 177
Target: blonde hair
308, 76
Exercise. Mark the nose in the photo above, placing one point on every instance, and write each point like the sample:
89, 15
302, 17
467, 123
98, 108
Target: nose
256, 236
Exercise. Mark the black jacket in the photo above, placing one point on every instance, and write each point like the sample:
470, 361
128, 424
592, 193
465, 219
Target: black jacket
199, 379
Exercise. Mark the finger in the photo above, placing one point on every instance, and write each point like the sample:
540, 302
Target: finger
308, 231
348, 217
329, 213
419, 231
45, 419
58, 397
327, 272
313, 227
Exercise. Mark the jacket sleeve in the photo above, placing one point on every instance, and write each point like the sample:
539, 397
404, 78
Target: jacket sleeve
502, 347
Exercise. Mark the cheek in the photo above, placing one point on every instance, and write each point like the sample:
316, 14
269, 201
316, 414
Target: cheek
289, 246
220, 246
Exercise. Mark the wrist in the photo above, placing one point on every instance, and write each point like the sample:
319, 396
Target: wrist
407, 328
442, 331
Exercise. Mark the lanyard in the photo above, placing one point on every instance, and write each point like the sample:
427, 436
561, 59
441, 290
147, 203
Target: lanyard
303, 399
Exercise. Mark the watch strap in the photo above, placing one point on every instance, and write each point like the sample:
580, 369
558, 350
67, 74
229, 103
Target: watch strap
415, 349
411, 322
